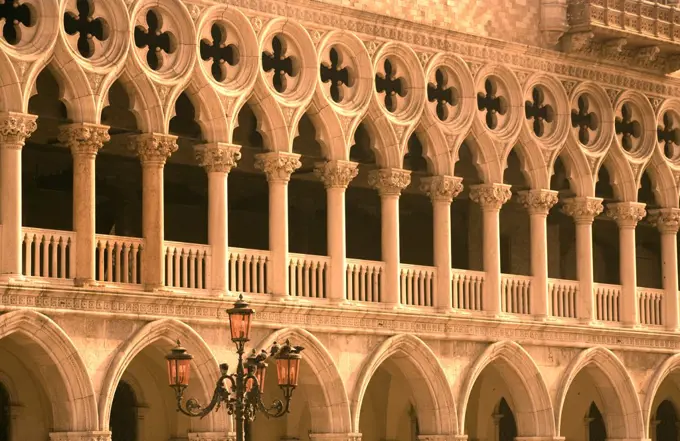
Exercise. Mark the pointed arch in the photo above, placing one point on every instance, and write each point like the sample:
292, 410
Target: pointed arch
69, 387
331, 413
10, 87
671, 364
534, 167
210, 113
624, 417
144, 101
484, 158
578, 170
533, 410
624, 182
432, 393
437, 147
270, 119
329, 132
169, 330
663, 182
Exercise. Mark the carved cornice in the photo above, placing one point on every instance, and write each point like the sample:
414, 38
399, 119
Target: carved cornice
583, 210
538, 201
626, 214
153, 149
336, 174
442, 188
389, 181
15, 128
278, 166
667, 220
217, 157
84, 139
490, 196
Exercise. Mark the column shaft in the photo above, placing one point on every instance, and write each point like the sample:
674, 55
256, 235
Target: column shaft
14, 129
278, 167
667, 220
491, 198
218, 159
584, 210
153, 151
390, 183
84, 141
627, 215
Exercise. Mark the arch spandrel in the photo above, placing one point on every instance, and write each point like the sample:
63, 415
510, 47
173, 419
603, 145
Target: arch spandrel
77, 410
622, 174
485, 159
533, 407
332, 413
169, 331
145, 103
437, 409
578, 167
624, 417
663, 181
211, 114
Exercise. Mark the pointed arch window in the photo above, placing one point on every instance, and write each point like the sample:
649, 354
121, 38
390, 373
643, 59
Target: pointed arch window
507, 427
596, 428
123, 421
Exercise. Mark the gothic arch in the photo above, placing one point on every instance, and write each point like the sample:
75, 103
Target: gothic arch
533, 410
329, 132
70, 390
144, 100
578, 169
436, 148
485, 159
534, 167
10, 87
434, 400
204, 364
671, 364
210, 113
270, 120
331, 413
663, 182
624, 417
624, 182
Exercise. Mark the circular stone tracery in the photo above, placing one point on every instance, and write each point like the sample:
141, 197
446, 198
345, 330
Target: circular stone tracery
399, 82
539, 112
493, 104
585, 121
668, 134
29, 27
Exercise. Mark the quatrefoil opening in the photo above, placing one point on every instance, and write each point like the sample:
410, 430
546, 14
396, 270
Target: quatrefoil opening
280, 64
390, 85
87, 26
537, 110
155, 40
668, 134
219, 53
628, 128
584, 120
337, 75
442, 95
491, 103
16, 15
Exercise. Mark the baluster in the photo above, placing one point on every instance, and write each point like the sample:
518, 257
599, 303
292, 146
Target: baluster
454, 290
410, 294
356, 283
194, 255
202, 257
135, 253
302, 270
62, 258
170, 266
422, 298
125, 261
315, 266
37, 246
364, 278
28, 246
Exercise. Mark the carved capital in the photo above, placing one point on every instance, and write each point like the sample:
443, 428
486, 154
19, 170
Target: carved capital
667, 220
278, 166
154, 149
336, 174
583, 210
442, 188
490, 196
84, 139
626, 214
80, 436
538, 201
15, 128
217, 157
389, 181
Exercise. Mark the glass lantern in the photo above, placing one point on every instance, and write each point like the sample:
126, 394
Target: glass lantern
288, 366
179, 367
240, 320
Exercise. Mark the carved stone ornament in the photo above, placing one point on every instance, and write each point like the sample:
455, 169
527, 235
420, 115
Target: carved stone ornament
217, 157
667, 220
442, 188
211, 436
84, 139
626, 214
538, 201
490, 196
278, 166
15, 128
335, 436
583, 210
154, 148
389, 181
80, 436
336, 174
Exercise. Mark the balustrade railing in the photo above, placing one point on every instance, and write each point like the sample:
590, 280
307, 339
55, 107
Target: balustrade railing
417, 285
563, 296
515, 294
364, 280
467, 289
650, 306
49, 253
119, 259
187, 265
248, 270
307, 275
607, 302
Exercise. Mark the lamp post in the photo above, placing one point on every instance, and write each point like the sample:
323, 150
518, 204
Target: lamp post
242, 396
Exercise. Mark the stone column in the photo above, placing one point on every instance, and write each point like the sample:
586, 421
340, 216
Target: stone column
442, 190
390, 182
84, 140
153, 150
278, 166
667, 220
335, 437
14, 129
627, 215
539, 203
218, 159
491, 198
80, 436
336, 176
584, 210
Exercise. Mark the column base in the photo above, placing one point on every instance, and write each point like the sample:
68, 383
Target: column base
11, 278
211, 436
335, 436
85, 283
445, 310
156, 288
80, 436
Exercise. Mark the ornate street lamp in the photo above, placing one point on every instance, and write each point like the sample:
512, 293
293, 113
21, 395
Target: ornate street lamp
242, 396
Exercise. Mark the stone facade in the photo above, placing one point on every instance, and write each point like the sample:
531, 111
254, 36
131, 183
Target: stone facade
413, 192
